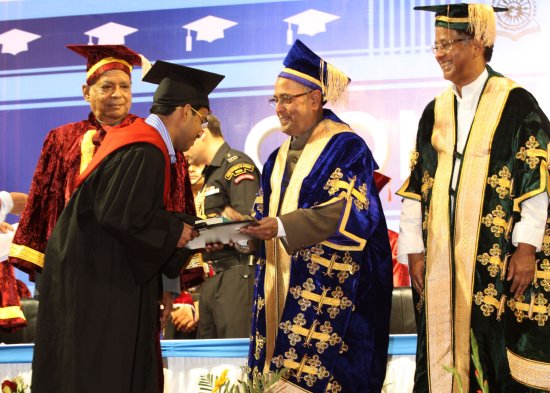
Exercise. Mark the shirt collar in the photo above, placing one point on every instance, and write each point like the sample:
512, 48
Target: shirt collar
155, 122
220, 154
474, 89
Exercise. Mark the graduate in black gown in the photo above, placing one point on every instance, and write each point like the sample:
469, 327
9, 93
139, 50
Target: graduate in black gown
98, 321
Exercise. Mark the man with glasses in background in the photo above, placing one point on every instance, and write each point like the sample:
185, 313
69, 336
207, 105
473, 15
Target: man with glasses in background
324, 282
473, 219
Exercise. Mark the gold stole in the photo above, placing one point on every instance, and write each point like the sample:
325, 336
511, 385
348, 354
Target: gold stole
448, 335
277, 269
87, 149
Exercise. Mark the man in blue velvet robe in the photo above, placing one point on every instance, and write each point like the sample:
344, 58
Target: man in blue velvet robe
324, 281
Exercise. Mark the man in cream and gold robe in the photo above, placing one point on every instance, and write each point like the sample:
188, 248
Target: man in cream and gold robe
474, 217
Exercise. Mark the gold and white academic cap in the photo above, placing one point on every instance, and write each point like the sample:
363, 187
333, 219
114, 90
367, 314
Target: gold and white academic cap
110, 34
309, 22
15, 41
209, 28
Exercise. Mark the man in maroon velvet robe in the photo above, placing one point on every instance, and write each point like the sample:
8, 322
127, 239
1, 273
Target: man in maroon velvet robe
66, 152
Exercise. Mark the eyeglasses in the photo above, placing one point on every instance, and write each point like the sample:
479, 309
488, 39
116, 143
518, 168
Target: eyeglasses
285, 99
448, 46
204, 122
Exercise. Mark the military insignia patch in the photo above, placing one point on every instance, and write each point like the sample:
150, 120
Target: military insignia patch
246, 176
231, 158
237, 170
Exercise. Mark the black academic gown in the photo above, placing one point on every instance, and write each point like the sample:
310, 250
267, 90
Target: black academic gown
98, 320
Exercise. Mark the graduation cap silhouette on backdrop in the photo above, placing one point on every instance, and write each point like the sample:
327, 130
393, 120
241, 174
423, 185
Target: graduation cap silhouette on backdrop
209, 28
110, 34
309, 22
15, 41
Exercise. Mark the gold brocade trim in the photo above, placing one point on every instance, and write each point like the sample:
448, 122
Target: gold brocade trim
487, 300
468, 211
448, 19
104, 61
331, 264
277, 268
11, 312
542, 188
304, 76
427, 185
438, 295
361, 242
413, 159
492, 259
529, 372
544, 275
495, 220
501, 182
359, 194
87, 149
448, 319
28, 254
546, 240
522, 310
530, 154
410, 195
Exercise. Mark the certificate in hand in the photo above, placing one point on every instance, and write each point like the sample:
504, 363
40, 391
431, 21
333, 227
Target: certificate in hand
215, 230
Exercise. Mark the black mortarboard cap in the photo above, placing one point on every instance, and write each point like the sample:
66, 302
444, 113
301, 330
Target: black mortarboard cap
181, 85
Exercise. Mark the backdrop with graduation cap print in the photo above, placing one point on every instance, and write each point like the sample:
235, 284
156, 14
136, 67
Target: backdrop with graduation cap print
384, 47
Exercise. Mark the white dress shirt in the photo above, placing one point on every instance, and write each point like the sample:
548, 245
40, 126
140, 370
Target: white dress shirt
530, 229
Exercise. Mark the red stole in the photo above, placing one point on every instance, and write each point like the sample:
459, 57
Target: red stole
117, 137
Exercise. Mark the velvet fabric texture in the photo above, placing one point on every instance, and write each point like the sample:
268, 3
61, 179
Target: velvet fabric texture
348, 337
517, 170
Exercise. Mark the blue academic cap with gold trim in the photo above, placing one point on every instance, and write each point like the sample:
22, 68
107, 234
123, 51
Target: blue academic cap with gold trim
302, 65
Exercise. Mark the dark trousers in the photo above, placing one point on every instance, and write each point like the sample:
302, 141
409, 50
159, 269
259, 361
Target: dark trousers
225, 305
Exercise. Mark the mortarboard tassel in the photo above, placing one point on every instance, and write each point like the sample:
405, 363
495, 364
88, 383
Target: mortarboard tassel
334, 84
482, 23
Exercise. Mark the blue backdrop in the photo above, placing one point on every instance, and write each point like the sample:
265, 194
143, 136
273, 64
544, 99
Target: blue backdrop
384, 46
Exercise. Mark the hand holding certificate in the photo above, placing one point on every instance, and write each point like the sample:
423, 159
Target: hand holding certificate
216, 230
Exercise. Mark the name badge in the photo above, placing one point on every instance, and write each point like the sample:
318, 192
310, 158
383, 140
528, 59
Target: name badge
211, 191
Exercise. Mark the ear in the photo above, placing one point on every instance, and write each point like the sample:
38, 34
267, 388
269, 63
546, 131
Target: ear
185, 111
86, 92
316, 98
479, 49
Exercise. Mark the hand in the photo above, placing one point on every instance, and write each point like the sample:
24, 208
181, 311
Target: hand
417, 265
232, 214
166, 306
522, 268
266, 229
212, 247
5, 227
185, 319
187, 235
